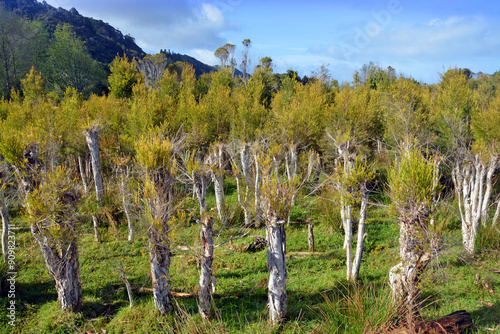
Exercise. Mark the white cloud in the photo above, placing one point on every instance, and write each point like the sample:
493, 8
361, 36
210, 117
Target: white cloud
175, 24
205, 56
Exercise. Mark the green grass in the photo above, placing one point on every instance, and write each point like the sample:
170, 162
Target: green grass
320, 300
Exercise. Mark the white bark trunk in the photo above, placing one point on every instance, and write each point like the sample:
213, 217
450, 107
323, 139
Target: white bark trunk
310, 236
92, 139
207, 255
497, 213
361, 237
220, 198
63, 264
473, 182
415, 254
257, 192
83, 174
348, 239
276, 261
4, 212
123, 191
217, 174
489, 187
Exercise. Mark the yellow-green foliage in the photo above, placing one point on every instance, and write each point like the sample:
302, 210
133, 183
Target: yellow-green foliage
485, 127
124, 75
33, 86
299, 113
348, 180
51, 206
411, 181
276, 189
155, 151
355, 117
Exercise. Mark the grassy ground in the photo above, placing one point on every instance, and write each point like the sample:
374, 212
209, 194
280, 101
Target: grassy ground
320, 300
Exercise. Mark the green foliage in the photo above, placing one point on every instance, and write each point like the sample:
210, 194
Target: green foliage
124, 75
71, 66
277, 190
154, 151
411, 182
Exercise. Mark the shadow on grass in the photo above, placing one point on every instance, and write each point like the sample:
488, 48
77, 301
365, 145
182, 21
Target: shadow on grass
36, 293
487, 316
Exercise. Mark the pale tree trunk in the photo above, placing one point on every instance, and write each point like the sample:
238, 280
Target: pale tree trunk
66, 272
82, 166
257, 182
361, 236
347, 222
159, 243
415, 254
310, 236
244, 200
217, 175
497, 213
240, 161
207, 255
159, 250
123, 189
473, 185
4, 212
92, 139
292, 168
276, 262
63, 265
207, 245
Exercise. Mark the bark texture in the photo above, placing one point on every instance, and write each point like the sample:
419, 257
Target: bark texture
92, 139
64, 266
4, 212
473, 182
159, 243
310, 236
276, 262
217, 175
356, 265
415, 253
207, 256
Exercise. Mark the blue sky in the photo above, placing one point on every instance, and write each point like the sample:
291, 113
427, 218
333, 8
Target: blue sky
418, 38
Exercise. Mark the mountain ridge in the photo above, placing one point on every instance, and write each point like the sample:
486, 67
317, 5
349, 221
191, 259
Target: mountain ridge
103, 41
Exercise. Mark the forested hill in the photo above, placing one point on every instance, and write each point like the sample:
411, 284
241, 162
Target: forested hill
102, 40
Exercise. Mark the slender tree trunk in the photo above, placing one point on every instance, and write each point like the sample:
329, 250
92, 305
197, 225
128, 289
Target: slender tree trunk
497, 213
4, 212
83, 174
207, 255
310, 236
276, 262
258, 209
361, 237
121, 272
92, 138
347, 220
125, 205
489, 186
218, 180
220, 199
